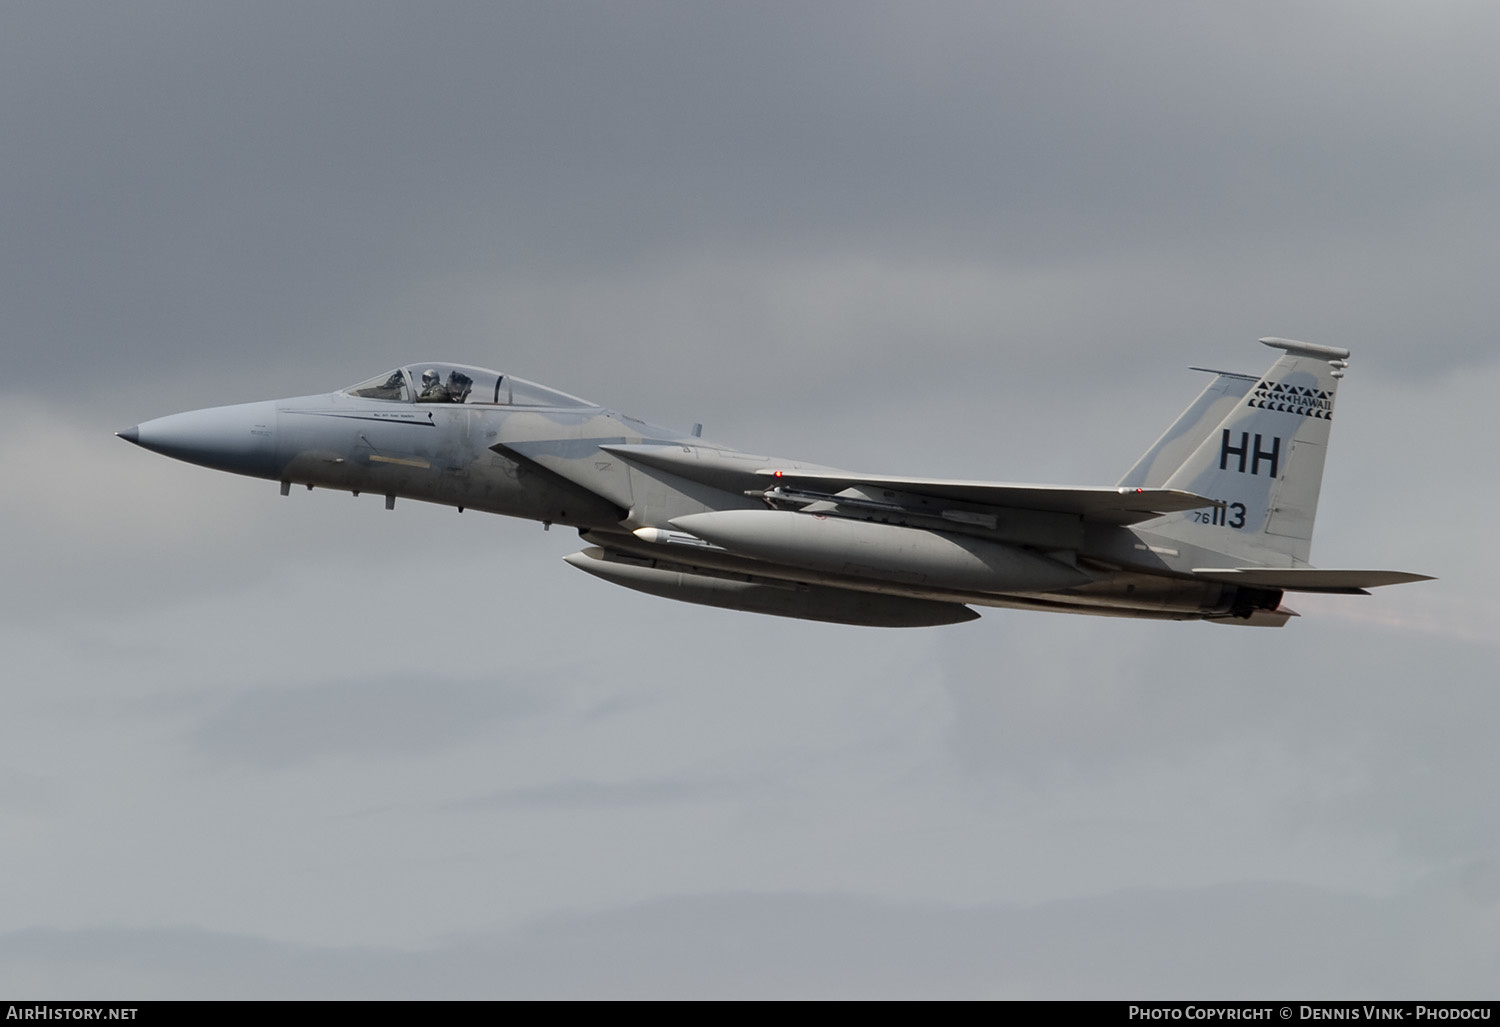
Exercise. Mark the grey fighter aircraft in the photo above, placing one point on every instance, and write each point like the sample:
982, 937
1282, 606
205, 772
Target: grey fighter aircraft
1213, 523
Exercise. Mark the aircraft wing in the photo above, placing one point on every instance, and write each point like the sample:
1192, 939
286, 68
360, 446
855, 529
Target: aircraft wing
1308, 579
738, 472
1104, 504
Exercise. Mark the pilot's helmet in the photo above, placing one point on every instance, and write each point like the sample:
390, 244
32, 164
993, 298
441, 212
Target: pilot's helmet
429, 377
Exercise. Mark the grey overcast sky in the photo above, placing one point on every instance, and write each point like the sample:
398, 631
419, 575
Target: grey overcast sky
240, 756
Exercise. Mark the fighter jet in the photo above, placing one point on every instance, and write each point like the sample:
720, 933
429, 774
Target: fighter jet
1213, 523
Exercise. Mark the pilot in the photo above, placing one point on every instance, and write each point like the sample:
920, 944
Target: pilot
433, 389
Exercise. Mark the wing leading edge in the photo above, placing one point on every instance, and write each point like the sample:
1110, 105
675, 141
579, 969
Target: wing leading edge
1103, 504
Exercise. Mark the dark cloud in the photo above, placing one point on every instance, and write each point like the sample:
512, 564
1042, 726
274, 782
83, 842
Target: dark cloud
259, 184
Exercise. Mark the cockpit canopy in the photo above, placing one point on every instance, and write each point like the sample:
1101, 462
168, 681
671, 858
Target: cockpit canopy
459, 383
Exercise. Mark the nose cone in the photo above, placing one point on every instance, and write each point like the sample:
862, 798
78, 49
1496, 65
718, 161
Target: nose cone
240, 439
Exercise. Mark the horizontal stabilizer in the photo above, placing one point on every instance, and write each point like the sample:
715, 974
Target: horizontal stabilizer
1105, 504
1308, 579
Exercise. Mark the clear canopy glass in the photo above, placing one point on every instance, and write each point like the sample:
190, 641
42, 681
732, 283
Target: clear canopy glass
459, 383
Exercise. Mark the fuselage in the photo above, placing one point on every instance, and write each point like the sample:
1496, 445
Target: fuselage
679, 516
399, 447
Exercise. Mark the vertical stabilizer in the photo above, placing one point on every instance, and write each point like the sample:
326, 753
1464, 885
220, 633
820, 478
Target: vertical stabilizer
1264, 462
1187, 433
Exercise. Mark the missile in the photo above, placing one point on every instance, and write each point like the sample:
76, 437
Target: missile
881, 552
661, 537
759, 595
